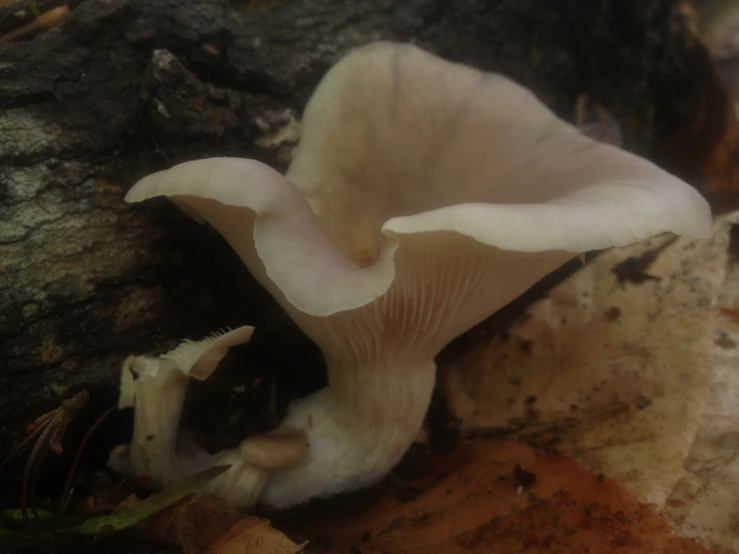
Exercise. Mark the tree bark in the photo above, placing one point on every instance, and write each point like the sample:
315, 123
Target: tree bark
127, 87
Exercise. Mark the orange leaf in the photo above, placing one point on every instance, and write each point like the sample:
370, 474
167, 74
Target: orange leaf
474, 500
204, 524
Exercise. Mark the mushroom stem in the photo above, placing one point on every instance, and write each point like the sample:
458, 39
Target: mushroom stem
164, 454
359, 428
156, 420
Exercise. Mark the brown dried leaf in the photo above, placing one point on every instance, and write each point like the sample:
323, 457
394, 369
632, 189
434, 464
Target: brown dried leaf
204, 524
702, 149
470, 501
253, 534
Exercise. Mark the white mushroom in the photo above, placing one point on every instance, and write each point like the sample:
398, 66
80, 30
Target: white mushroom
424, 196
155, 387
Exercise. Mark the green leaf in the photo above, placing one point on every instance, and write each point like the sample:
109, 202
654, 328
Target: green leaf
155, 503
14, 517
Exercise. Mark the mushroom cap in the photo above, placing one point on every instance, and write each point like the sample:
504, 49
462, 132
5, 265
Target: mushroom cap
197, 359
277, 449
407, 161
400, 141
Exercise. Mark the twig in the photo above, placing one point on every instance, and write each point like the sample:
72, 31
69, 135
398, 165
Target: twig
52, 427
44, 22
20, 447
39, 450
64, 500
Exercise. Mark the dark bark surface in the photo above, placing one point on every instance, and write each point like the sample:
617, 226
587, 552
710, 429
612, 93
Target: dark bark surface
127, 87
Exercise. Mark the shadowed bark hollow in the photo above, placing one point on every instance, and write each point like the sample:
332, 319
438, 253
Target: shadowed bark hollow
127, 87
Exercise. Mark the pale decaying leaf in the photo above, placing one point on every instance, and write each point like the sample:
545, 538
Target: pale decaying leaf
705, 503
614, 374
476, 500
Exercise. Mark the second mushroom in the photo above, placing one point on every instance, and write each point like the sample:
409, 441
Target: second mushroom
424, 195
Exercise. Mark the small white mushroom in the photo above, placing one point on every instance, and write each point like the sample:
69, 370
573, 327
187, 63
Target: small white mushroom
155, 387
424, 196
277, 449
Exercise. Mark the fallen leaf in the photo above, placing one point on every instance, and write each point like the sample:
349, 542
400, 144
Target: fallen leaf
131, 516
705, 503
469, 501
619, 372
252, 534
205, 524
702, 149
718, 23
634, 269
14, 518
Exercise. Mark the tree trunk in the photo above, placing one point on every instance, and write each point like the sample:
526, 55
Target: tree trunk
127, 87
